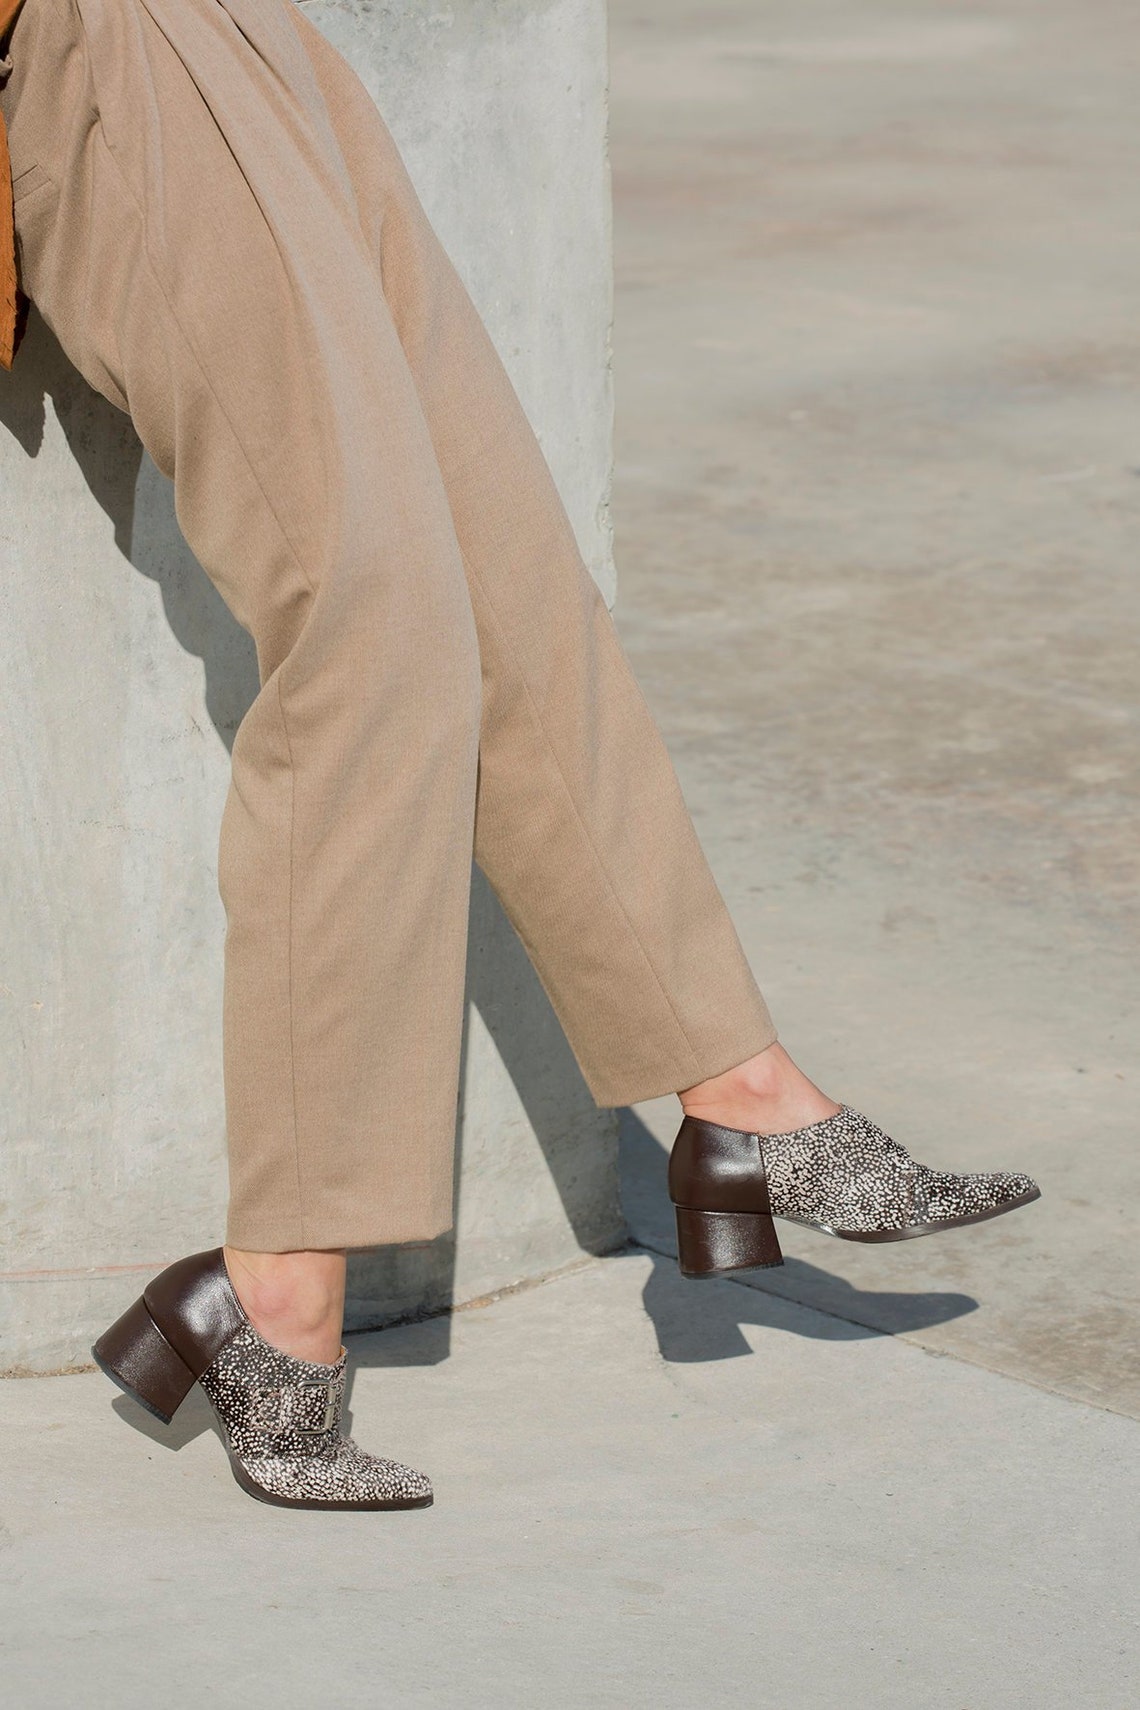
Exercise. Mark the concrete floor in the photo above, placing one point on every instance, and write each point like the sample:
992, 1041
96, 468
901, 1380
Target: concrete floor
796, 1514
877, 505
878, 513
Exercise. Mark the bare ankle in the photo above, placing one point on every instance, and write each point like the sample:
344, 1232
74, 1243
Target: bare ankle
295, 1300
767, 1094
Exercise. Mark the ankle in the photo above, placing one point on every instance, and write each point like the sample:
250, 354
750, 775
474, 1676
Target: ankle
767, 1094
295, 1300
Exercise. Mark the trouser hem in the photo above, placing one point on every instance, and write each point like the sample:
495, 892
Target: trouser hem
326, 1234
616, 1091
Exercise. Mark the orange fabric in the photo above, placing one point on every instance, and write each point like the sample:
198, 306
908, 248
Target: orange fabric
8, 10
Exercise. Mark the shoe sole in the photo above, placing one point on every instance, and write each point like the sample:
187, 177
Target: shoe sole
259, 1494
717, 1244
911, 1231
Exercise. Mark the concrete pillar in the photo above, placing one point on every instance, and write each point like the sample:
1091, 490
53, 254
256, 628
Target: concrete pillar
123, 678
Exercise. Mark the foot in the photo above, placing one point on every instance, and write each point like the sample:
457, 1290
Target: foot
280, 1415
294, 1300
766, 1095
840, 1174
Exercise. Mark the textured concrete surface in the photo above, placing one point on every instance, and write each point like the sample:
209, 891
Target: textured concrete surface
774, 1509
877, 508
123, 679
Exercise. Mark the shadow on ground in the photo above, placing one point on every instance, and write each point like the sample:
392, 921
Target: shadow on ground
107, 450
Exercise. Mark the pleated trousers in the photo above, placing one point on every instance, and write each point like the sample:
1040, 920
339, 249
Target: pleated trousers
214, 221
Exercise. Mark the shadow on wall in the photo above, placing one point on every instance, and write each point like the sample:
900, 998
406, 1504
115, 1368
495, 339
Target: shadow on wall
501, 984
110, 456
504, 989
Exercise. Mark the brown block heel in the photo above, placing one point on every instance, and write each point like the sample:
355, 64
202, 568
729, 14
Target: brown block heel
713, 1241
136, 1355
719, 1188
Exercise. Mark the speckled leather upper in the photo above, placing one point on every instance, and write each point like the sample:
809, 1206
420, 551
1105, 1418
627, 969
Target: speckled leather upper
282, 1418
844, 1173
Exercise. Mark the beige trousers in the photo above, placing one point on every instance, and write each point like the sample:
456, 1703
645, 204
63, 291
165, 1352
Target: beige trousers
214, 221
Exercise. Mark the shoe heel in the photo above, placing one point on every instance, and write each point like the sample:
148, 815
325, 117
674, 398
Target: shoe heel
712, 1241
136, 1355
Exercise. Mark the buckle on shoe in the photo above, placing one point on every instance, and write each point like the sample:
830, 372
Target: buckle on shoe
307, 1408
328, 1412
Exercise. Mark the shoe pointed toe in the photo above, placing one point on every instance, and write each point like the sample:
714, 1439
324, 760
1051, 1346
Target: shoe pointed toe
947, 1199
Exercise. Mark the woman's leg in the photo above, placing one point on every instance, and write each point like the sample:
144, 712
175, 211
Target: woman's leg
194, 244
580, 824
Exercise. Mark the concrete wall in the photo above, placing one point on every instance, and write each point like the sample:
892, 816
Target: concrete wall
122, 680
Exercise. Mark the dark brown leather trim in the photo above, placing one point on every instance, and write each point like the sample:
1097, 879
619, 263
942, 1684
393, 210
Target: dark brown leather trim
717, 1169
194, 1305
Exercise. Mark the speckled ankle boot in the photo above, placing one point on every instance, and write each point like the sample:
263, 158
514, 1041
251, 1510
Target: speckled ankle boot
280, 1416
843, 1176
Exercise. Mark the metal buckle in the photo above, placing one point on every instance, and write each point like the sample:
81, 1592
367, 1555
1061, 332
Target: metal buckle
328, 1418
275, 1409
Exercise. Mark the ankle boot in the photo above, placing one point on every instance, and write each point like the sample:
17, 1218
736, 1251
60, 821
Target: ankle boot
842, 1176
280, 1416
